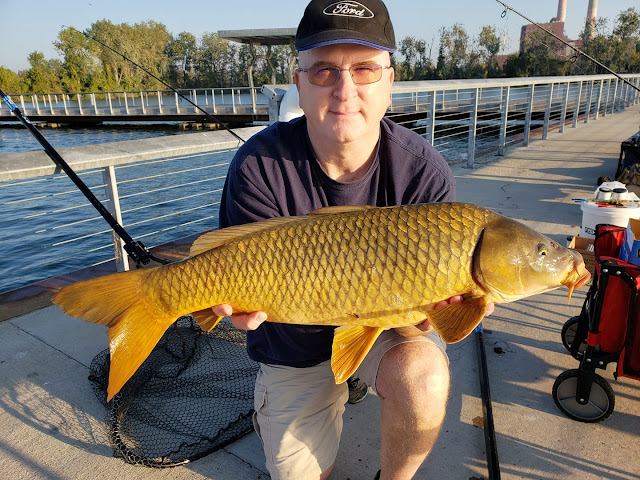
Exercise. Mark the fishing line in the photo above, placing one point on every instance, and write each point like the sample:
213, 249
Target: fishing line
161, 81
136, 250
578, 51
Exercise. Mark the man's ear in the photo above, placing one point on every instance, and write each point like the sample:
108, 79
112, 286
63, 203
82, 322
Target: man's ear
296, 76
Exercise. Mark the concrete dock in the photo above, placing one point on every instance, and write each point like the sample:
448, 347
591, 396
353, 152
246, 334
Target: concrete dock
53, 423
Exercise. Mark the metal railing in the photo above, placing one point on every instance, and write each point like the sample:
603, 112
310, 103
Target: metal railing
169, 187
139, 103
492, 114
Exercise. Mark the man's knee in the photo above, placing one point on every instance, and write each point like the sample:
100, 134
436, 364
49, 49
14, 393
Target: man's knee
416, 373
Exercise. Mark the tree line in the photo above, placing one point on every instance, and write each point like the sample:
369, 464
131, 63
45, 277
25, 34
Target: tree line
185, 61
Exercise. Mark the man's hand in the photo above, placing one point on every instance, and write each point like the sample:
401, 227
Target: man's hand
242, 321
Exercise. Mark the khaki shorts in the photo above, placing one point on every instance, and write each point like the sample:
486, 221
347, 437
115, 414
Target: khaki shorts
298, 411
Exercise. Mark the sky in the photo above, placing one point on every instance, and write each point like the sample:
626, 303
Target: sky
34, 25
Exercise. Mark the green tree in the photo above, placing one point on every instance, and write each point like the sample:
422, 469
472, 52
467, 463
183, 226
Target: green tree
215, 60
454, 44
416, 64
44, 75
78, 63
626, 41
11, 82
489, 45
183, 54
143, 43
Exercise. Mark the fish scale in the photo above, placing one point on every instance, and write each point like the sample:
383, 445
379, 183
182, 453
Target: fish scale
361, 261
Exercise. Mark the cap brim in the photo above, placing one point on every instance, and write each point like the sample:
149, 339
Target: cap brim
335, 42
337, 36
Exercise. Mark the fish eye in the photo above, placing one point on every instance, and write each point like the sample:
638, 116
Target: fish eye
542, 249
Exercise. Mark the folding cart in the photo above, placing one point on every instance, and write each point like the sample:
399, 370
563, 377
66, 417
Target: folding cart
606, 331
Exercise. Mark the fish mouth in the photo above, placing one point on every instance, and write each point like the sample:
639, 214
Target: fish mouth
576, 278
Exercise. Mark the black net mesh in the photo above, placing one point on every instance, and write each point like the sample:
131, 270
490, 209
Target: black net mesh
192, 396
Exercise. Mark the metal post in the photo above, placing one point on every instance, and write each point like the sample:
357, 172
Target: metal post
34, 101
50, 103
64, 103
113, 206
473, 122
576, 113
254, 102
95, 103
126, 103
614, 108
597, 114
159, 102
110, 104
563, 112
587, 112
195, 99
177, 104
504, 119
213, 101
606, 98
431, 117
22, 102
625, 97
144, 111
547, 114
233, 100
80, 104
527, 119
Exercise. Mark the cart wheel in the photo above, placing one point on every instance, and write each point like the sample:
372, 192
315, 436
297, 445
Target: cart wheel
601, 401
569, 331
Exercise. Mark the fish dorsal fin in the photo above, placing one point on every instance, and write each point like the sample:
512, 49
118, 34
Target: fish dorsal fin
341, 209
350, 346
457, 320
216, 238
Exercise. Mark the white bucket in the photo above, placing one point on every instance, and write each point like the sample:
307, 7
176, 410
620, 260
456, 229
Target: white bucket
593, 214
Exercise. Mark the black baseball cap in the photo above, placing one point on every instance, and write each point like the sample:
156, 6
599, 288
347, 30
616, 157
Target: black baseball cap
327, 22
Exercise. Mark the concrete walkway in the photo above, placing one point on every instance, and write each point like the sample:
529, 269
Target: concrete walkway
53, 424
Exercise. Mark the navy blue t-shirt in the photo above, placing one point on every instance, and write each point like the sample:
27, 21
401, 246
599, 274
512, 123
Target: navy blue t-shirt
275, 173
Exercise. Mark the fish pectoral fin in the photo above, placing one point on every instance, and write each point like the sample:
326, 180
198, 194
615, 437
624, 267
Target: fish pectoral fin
206, 319
454, 322
350, 346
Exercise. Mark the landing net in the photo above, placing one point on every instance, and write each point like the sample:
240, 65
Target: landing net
192, 396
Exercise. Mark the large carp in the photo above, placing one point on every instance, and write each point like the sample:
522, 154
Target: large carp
364, 269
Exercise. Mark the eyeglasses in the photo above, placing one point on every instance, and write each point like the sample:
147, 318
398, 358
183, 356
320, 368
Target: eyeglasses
360, 74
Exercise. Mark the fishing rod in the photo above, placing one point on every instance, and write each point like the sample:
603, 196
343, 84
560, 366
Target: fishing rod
136, 250
507, 7
491, 446
207, 114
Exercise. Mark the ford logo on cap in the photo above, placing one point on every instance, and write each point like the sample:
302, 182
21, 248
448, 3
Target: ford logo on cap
348, 9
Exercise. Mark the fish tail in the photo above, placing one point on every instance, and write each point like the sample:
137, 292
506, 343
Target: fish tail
128, 305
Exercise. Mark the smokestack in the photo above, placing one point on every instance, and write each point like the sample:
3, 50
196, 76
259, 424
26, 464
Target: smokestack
562, 11
592, 14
